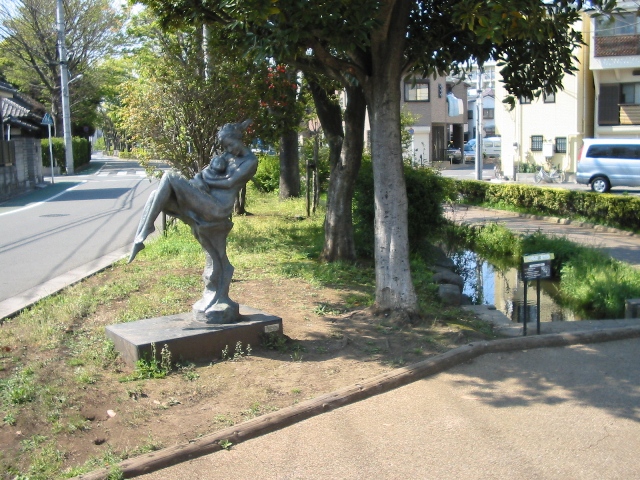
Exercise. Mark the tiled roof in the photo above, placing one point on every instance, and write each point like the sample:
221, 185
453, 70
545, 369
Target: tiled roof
20, 110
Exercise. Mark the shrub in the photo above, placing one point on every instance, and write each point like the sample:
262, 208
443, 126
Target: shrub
613, 210
267, 178
81, 152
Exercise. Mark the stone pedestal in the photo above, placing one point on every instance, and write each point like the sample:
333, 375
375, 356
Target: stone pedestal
190, 340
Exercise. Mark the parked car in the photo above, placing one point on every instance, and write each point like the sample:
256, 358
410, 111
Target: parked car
606, 162
491, 147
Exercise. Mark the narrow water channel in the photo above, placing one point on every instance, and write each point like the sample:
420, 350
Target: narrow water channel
487, 285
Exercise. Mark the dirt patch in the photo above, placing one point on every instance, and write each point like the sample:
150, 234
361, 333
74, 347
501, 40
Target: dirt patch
327, 348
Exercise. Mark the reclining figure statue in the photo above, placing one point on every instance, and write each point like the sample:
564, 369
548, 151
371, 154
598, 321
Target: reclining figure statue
205, 203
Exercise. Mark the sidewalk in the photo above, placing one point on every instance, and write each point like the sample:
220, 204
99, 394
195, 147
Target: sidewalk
618, 244
553, 413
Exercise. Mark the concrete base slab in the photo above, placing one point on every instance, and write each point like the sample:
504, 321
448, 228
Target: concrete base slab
187, 339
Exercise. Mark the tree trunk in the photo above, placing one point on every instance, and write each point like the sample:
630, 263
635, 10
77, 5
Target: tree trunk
394, 286
289, 166
239, 205
339, 244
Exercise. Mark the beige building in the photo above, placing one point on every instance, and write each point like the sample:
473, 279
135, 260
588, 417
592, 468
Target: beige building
615, 63
436, 125
548, 131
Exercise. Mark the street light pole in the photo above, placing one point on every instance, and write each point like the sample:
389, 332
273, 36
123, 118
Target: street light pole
479, 113
64, 83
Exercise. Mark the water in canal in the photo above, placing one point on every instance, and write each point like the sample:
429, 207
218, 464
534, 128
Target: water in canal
487, 285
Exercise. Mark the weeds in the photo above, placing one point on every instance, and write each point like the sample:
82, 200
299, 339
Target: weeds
237, 354
19, 388
152, 367
273, 341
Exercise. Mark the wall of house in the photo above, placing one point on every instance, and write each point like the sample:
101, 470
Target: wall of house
569, 117
434, 112
26, 172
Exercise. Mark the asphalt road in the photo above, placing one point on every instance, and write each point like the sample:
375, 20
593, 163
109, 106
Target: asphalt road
69, 223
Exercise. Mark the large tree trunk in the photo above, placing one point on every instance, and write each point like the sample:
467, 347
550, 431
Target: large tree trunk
394, 286
339, 243
289, 166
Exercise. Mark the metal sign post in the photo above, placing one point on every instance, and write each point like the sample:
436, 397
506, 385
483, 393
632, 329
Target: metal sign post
535, 267
48, 121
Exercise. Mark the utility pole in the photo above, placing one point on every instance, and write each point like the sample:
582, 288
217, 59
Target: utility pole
64, 84
479, 112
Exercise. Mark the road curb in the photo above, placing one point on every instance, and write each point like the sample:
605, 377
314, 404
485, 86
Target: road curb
14, 305
285, 417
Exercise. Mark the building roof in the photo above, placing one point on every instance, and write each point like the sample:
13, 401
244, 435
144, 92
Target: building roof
19, 110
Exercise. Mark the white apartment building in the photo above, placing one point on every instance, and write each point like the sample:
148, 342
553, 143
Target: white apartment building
615, 63
488, 83
548, 130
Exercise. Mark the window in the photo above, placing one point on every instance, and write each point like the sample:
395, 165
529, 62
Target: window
623, 152
561, 144
549, 97
469, 114
622, 24
416, 91
525, 100
536, 143
487, 113
630, 93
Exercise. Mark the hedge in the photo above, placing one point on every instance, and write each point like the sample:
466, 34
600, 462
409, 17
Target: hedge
81, 152
613, 210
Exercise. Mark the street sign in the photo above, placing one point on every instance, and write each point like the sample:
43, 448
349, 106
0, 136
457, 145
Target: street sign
47, 120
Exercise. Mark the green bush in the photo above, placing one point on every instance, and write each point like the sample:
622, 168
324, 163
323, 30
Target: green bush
81, 152
427, 190
57, 145
612, 210
267, 178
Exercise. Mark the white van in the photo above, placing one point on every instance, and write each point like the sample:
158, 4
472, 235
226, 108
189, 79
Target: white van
491, 147
607, 162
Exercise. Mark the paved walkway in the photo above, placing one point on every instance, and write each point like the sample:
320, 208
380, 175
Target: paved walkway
621, 245
555, 413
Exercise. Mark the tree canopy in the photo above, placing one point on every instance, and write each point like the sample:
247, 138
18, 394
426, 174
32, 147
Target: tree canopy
29, 55
373, 44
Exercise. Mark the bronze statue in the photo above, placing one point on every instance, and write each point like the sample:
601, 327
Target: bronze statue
205, 203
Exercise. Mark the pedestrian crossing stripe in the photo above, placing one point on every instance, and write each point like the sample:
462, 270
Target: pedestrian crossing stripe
122, 173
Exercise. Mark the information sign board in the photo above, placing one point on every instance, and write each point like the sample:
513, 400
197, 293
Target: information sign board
537, 266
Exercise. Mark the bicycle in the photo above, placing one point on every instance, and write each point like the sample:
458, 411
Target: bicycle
497, 171
552, 176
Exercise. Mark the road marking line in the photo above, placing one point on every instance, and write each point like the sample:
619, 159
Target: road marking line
42, 202
121, 173
102, 174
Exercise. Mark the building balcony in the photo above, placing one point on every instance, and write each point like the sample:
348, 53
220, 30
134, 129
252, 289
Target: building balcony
617, 46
